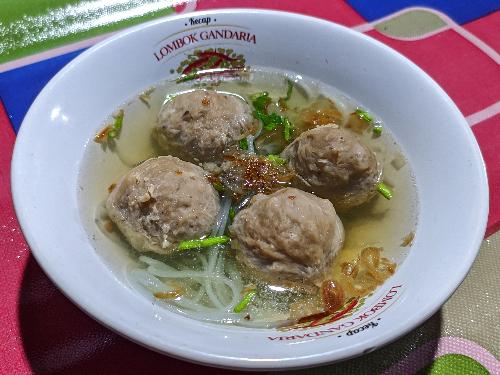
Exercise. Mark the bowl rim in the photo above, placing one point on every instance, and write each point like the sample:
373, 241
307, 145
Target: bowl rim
194, 356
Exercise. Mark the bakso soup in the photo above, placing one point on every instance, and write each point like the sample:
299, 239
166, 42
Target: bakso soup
259, 199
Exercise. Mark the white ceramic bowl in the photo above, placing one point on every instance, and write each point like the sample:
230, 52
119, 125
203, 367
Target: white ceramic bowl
446, 160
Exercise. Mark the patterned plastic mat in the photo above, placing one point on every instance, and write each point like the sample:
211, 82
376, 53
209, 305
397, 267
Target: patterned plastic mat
456, 42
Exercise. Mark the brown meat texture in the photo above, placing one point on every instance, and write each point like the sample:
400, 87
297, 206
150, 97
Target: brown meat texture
334, 164
290, 235
200, 124
163, 201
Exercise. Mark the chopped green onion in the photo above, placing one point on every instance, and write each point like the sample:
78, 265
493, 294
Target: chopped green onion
232, 213
270, 122
289, 89
188, 77
384, 190
169, 97
377, 129
260, 101
146, 95
260, 116
287, 129
117, 125
363, 115
218, 186
205, 242
243, 144
275, 159
242, 305
273, 121
258, 95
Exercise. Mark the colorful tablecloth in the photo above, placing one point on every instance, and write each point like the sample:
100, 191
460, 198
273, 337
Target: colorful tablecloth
457, 42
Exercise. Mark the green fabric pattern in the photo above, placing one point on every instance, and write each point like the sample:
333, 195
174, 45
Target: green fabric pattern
411, 24
32, 26
450, 364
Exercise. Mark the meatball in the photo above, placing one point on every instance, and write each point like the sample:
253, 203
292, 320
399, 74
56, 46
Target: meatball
334, 164
288, 236
162, 201
200, 124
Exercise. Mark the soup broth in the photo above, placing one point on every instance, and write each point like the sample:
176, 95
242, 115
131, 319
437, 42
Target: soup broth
208, 283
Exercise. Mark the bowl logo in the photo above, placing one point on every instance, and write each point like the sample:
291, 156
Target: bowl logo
320, 319
211, 58
200, 60
349, 320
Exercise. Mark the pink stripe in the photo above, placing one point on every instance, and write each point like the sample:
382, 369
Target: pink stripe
53, 53
14, 253
483, 114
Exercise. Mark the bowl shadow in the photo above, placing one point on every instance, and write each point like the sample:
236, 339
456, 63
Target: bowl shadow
383, 360
59, 338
